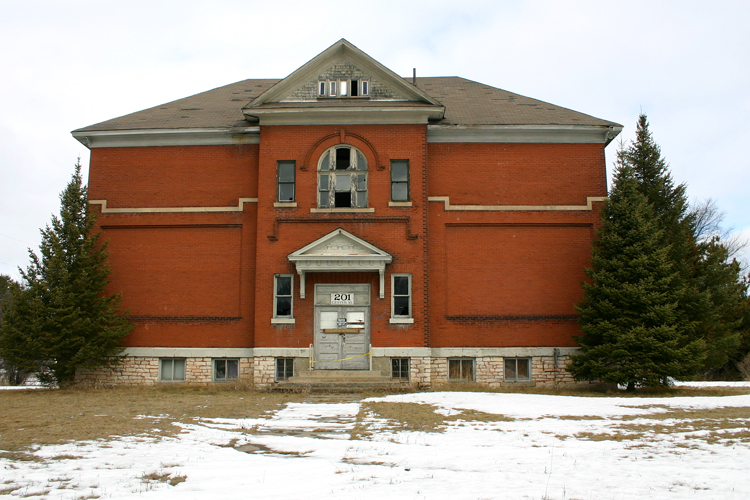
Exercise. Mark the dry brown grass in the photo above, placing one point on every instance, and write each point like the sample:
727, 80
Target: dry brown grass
728, 425
599, 390
40, 417
415, 417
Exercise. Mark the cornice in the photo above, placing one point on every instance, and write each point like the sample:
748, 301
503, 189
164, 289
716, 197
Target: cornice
167, 137
540, 134
346, 115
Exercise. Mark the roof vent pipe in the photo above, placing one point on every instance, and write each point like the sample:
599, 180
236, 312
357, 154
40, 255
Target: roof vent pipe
414, 78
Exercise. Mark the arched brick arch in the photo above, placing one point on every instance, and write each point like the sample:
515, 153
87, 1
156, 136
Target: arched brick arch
341, 137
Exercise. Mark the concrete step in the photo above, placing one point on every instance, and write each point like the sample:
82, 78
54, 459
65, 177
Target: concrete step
340, 381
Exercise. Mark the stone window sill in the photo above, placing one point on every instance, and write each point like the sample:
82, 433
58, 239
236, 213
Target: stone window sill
285, 205
283, 321
401, 321
341, 210
399, 204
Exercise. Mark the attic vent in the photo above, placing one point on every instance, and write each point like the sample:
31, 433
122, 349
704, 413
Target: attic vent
343, 88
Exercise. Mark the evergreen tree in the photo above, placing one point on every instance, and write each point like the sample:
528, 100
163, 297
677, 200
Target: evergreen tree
10, 373
60, 320
630, 333
714, 286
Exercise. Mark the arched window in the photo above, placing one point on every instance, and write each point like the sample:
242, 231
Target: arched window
342, 178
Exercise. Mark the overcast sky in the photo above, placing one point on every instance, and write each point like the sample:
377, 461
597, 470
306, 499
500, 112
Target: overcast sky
69, 64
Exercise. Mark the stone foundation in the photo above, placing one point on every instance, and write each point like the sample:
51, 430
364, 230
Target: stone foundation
424, 371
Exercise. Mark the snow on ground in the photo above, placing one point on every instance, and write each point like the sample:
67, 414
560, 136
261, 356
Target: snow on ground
553, 447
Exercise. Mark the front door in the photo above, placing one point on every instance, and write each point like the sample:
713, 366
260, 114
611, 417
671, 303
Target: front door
342, 327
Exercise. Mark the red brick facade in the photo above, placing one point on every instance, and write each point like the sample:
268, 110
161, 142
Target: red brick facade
495, 238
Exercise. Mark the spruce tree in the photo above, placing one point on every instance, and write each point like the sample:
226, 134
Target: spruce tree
630, 333
714, 285
60, 319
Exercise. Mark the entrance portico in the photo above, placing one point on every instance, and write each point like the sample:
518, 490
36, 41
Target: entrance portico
340, 252
341, 338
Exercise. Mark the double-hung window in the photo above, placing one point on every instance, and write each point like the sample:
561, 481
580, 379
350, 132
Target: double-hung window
401, 304
400, 180
285, 178
283, 288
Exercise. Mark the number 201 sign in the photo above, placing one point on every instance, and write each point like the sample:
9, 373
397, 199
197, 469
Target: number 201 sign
342, 299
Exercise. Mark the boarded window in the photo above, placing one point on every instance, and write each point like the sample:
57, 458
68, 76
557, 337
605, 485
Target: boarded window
342, 178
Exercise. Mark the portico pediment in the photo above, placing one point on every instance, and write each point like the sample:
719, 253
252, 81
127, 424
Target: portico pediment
340, 251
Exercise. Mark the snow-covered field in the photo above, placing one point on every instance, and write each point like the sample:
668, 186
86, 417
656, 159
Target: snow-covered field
547, 447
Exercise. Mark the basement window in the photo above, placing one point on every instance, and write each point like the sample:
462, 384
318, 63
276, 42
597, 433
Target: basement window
461, 370
342, 178
226, 369
284, 368
517, 369
400, 368
171, 370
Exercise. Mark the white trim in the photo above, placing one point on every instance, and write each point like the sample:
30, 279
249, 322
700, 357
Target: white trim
282, 352
401, 321
342, 49
346, 115
590, 200
169, 210
338, 262
401, 318
342, 210
285, 205
283, 319
167, 137
542, 134
399, 204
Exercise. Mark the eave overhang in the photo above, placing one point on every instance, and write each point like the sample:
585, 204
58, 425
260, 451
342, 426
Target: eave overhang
348, 115
167, 137
550, 134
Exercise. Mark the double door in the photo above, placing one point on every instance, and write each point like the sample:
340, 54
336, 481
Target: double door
342, 332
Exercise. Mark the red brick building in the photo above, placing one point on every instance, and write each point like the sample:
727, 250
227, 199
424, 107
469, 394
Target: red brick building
345, 218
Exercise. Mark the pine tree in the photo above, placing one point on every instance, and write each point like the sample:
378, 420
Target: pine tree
630, 333
60, 320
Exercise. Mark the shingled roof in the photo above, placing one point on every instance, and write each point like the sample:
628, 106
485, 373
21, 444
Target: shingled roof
466, 103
